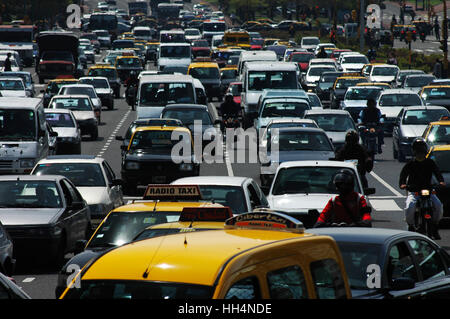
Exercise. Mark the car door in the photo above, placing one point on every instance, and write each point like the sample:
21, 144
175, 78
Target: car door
114, 191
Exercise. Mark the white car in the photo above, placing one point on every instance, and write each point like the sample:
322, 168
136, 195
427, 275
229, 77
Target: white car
84, 89
385, 73
324, 61
312, 76
353, 62
102, 89
92, 176
323, 45
13, 87
303, 188
192, 34
309, 43
241, 194
63, 122
415, 82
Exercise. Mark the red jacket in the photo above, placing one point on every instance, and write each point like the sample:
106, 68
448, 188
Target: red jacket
334, 211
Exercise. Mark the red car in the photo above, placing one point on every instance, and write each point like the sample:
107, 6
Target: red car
302, 58
201, 52
235, 89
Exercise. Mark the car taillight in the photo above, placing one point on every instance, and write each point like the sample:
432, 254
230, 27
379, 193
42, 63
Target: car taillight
414, 31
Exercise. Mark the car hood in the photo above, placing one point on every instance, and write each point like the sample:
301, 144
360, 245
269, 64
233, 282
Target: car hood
28, 216
83, 115
355, 103
336, 137
382, 78
102, 91
413, 130
58, 41
352, 66
13, 93
174, 61
299, 202
66, 131
94, 195
390, 111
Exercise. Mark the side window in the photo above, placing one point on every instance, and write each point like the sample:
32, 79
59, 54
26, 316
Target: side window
428, 259
67, 194
108, 173
262, 197
247, 288
287, 283
73, 192
400, 264
327, 279
110, 170
254, 198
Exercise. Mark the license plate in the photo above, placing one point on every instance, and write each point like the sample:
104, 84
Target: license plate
158, 179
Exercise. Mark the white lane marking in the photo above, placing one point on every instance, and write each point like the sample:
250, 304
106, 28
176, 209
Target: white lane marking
384, 205
111, 137
382, 181
227, 161
30, 279
384, 197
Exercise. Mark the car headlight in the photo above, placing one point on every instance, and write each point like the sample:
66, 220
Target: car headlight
27, 163
186, 167
132, 165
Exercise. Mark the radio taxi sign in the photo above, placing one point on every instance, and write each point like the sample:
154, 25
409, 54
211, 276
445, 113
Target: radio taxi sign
265, 220
172, 192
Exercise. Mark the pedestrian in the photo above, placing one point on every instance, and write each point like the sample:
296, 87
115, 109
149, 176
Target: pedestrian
392, 60
8, 63
436, 29
437, 69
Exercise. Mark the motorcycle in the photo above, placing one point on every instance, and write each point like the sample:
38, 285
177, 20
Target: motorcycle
130, 95
423, 216
230, 121
369, 137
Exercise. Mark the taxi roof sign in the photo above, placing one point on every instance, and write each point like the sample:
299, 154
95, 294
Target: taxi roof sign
205, 214
172, 192
267, 220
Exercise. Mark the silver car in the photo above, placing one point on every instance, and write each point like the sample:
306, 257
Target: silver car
63, 122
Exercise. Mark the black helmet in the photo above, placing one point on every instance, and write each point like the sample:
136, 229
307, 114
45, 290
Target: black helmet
344, 182
419, 146
352, 137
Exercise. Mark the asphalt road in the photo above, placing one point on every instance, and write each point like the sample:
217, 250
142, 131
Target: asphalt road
387, 203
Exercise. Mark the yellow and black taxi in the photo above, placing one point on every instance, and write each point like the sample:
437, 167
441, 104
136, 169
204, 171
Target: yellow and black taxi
341, 84
240, 38
148, 157
209, 75
53, 87
257, 255
125, 64
436, 95
161, 204
108, 72
438, 132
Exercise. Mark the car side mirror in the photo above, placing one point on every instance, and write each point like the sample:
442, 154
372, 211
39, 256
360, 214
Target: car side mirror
79, 246
403, 283
119, 138
369, 191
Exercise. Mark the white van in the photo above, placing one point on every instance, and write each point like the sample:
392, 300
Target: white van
249, 56
157, 91
142, 33
174, 54
260, 75
24, 132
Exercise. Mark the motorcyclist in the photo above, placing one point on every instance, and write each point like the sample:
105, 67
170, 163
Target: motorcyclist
416, 175
229, 108
131, 81
322, 54
349, 208
372, 114
352, 150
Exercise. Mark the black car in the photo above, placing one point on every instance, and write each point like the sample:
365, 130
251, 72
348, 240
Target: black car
325, 85
44, 215
337, 92
148, 158
388, 263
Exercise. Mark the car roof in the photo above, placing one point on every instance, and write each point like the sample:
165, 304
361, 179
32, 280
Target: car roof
72, 159
19, 102
440, 148
70, 96
317, 163
327, 111
424, 107
302, 129
161, 78
212, 180
268, 65
290, 120
186, 106
31, 177
47, 110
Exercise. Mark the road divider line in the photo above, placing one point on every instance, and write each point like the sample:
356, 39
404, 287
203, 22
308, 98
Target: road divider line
385, 184
111, 137
227, 161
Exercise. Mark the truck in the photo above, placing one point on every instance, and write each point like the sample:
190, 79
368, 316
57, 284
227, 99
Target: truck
18, 38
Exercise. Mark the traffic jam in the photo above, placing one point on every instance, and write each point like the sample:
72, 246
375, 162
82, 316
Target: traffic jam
165, 151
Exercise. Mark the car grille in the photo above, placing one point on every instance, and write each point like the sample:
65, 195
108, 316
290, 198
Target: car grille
6, 164
54, 67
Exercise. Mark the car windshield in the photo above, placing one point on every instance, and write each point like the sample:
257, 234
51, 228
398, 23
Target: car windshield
301, 141
29, 194
175, 51
418, 81
231, 196
57, 56
363, 93
192, 32
122, 227
24, 76
236, 89
436, 93
319, 71
274, 126
59, 120
96, 83
228, 74
107, 73
142, 289
439, 135
204, 73
74, 104
129, 62
346, 83
142, 33
402, 74
333, 122
357, 256
355, 59
17, 125
123, 44
74, 90
188, 116
400, 100
284, 109
300, 57
102, 33
384, 71
214, 27
301, 180
81, 174
161, 94
157, 140
11, 85
328, 79
260, 80
310, 41
423, 117
442, 159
